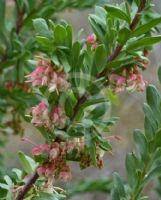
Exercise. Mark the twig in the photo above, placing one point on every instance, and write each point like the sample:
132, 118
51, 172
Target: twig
80, 101
119, 47
27, 187
19, 17
137, 16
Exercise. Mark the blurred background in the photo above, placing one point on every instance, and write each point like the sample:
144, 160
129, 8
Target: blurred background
129, 110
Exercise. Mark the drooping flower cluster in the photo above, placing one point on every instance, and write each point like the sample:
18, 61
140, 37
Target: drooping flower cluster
129, 79
91, 39
46, 74
41, 117
56, 164
56, 167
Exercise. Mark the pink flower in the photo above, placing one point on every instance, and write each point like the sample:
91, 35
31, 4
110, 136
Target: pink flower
118, 82
92, 40
46, 170
130, 79
58, 117
58, 82
41, 170
40, 149
46, 75
65, 174
136, 82
37, 149
50, 167
117, 79
40, 115
54, 151
40, 76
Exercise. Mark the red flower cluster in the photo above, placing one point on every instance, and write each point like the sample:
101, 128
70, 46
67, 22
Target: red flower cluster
129, 79
46, 75
42, 117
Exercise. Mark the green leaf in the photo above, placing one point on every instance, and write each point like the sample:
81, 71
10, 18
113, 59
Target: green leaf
27, 163
150, 115
60, 35
43, 40
137, 2
118, 185
41, 27
93, 101
96, 29
4, 186
99, 111
156, 172
124, 35
154, 101
98, 20
87, 123
159, 74
157, 139
121, 62
144, 42
2, 13
69, 102
131, 167
113, 98
18, 173
64, 61
8, 181
149, 129
75, 52
90, 144
100, 58
146, 27
157, 154
115, 194
103, 144
117, 12
69, 31
141, 144
101, 12
55, 59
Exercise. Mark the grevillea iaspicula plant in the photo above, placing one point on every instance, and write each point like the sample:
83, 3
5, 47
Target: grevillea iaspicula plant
73, 80
17, 45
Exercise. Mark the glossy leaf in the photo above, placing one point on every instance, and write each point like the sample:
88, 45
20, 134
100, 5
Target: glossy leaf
144, 42
100, 58
146, 27
117, 12
41, 27
27, 163
141, 144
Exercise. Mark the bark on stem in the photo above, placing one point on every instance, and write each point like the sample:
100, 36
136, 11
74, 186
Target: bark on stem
27, 187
